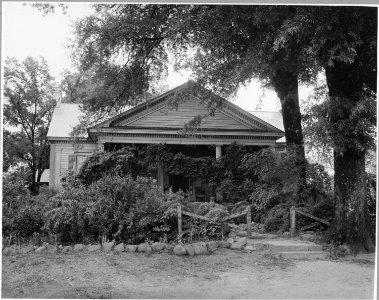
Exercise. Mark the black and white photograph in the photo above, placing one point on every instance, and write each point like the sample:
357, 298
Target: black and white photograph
167, 150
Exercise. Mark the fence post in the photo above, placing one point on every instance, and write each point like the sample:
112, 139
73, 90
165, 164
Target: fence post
292, 221
180, 223
248, 221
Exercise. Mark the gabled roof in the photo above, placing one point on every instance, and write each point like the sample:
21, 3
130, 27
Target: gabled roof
65, 118
193, 100
143, 105
274, 118
153, 115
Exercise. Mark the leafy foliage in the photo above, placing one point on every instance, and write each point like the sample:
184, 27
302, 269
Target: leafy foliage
28, 89
126, 48
14, 194
99, 165
358, 130
122, 208
23, 214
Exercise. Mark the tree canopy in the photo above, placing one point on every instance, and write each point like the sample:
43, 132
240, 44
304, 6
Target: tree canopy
28, 107
126, 48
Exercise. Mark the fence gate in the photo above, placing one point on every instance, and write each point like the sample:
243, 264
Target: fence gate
293, 211
247, 212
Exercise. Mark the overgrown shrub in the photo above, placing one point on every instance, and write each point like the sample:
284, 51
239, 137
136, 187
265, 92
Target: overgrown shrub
67, 217
277, 218
28, 221
122, 208
122, 162
22, 212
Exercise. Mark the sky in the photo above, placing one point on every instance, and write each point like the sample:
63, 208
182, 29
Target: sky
26, 32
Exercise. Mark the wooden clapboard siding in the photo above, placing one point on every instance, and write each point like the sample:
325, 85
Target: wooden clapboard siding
164, 116
60, 154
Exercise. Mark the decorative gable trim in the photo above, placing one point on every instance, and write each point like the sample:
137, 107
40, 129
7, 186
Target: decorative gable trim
225, 108
250, 124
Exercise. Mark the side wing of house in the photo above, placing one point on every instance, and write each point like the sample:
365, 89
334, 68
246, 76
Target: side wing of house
65, 154
65, 157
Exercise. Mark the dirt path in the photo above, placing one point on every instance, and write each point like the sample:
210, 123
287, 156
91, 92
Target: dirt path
225, 274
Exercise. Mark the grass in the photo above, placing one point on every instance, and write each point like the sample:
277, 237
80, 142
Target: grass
88, 274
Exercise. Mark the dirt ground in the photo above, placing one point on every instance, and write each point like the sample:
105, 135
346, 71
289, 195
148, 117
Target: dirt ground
224, 274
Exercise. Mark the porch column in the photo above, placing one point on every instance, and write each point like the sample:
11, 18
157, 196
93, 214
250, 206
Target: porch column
100, 146
218, 152
160, 177
219, 196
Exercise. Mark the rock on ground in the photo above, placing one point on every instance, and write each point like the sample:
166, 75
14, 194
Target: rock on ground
237, 246
169, 247
230, 240
189, 250
212, 246
94, 248
157, 247
41, 249
119, 248
108, 246
242, 240
131, 248
79, 247
142, 247
8, 251
179, 250
200, 248
148, 251
223, 244
250, 248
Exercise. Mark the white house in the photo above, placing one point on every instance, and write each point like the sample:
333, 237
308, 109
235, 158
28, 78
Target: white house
158, 121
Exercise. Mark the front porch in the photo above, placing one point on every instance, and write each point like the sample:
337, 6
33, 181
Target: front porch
195, 188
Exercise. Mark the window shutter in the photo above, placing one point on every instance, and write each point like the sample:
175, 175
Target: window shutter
71, 162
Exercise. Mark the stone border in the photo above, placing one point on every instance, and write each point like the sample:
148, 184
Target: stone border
198, 248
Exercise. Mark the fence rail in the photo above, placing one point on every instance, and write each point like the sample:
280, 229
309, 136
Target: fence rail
293, 211
180, 212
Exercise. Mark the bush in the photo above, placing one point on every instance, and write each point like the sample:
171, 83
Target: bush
121, 208
28, 221
67, 217
23, 212
277, 218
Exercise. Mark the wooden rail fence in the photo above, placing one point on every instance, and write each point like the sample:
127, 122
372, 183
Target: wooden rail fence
247, 212
293, 211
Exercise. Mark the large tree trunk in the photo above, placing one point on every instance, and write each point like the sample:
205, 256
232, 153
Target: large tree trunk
34, 185
352, 221
286, 87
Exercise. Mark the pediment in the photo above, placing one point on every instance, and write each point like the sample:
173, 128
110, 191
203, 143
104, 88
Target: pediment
164, 112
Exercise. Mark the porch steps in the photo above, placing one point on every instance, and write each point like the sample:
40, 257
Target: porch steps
304, 255
292, 249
